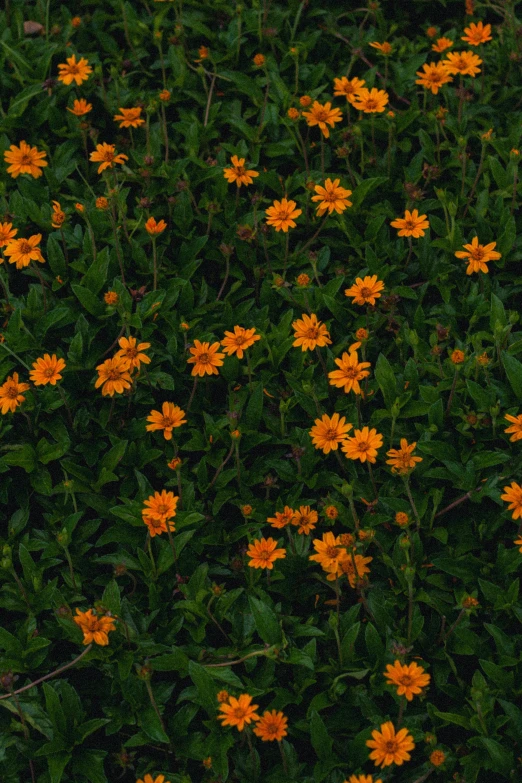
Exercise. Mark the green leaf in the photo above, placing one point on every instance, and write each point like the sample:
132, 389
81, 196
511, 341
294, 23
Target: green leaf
513, 370
23, 456
54, 709
96, 276
480, 396
55, 257
322, 742
206, 687
88, 300
498, 313
451, 717
57, 763
386, 378
111, 459
175, 661
254, 408
266, 621
111, 597
366, 187
151, 725
374, 643
89, 763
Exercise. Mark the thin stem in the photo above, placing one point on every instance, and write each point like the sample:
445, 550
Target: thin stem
220, 468
155, 264
305, 246
71, 570
412, 502
322, 154
452, 391
40, 278
155, 707
149, 547
283, 758
209, 101
227, 270
372, 479
192, 392
6, 348
254, 654
48, 676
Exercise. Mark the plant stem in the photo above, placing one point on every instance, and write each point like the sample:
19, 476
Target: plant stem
48, 676
155, 264
254, 654
412, 503
192, 392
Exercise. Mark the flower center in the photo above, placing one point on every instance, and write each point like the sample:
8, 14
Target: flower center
162, 508
12, 392
330, 435
409, 225
366, 293
131, 353
312, 333
167, 422
390, 746
477, 254
74, 69
25, 160
49, 372
108, 156
332, 552
405, 679
204, 358
240, 170
351, 372
363, 445
240, 340
321, 115
24, 247
239, 713
113, 375
371, 103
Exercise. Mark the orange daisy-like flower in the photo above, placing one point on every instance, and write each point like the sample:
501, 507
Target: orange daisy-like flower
350, 371
239, 340
158, 510
106, 155
259, 60
412, 224
204, 54
11, 393
362, 779
384, 48
113, 377
348, 87
131, 352
25, 160
153, 228
95, 629
410, 679
149, 779
164, 95
515, 428
390, 747
130, 118
457, 356
72, 71
465, 63
353, 566
402, 460
58, 216
442, 44
111, 298
47, 369
433, 76
305, 520
371, 101
205, 358
263, 552
7, 232
309, 333
365, 291
171, 416
282, 518
238, 173
331, 197
478, 256
80, 107
328, 432
281, 215
22, 251
518, 542
328, 552
238, 712
363, 445
272, 726
512, 495
431, 32
477, 34
437, 758
323, 115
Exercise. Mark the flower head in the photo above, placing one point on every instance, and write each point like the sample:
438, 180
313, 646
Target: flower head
371, 101
58, 216
153, 228
11, 393
238, 712
132, 352
402, 460
305, 101
158, 510
515, 428
102, 203
353, 566
431, 32
239, 340
512, 495
204, 54
477, 34
362, 779
47, 369
205, 358
458, 356
293, 113
106, 155
149, 779
348, 87
129, 118
305, 520
390, 747
384, 48
442, 44
238, 173
478, 256
328, 552
272, 726
171, 416
263, 552
113, 377
322, 115
72, 71
7, 232
402, 519
281, 518
350, 372
164, 96
437, 758
95, 628
25, 160
329, 431
433, 76
22, 251
309, 332
332, 512
331, 197
281, 215
410, 679
111, 298
465, 63
411, 225
80, 107
365, 291
363, 445
259, 60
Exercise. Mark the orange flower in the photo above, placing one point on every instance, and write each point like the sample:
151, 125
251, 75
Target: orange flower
164, 96
238, 173
95, 629
410, 679
149, 779
129, 118
353, 566
76, 21
457, 356
309, 333
259, 60
205, 358
518, 542
47, 369
73, 71
363, 445
7, 232
332, 512
281, 215
154, 228
431, 32
11, 393
362, 779
402, 460
350, 372
305, 101
158, 510
402, 519
328, 552
477, 34
305, 520
465, 63
25, 160
437, 758
263, 552
171, 416
322, 115
272, 726
516, 426
111, 298
470, 7
328, 432
512, 494
238, 712
239, 340
442, 44
58, 216
22, 251
113, 377
365, 291
411, 225
131, 352
204, 54
390, 747
362, 334
385, 47
331, 197
222, 696
293, 113
80, 107
282, 518
348, 87
303, 280
107, 156
478, 256
371, 101
433, 77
